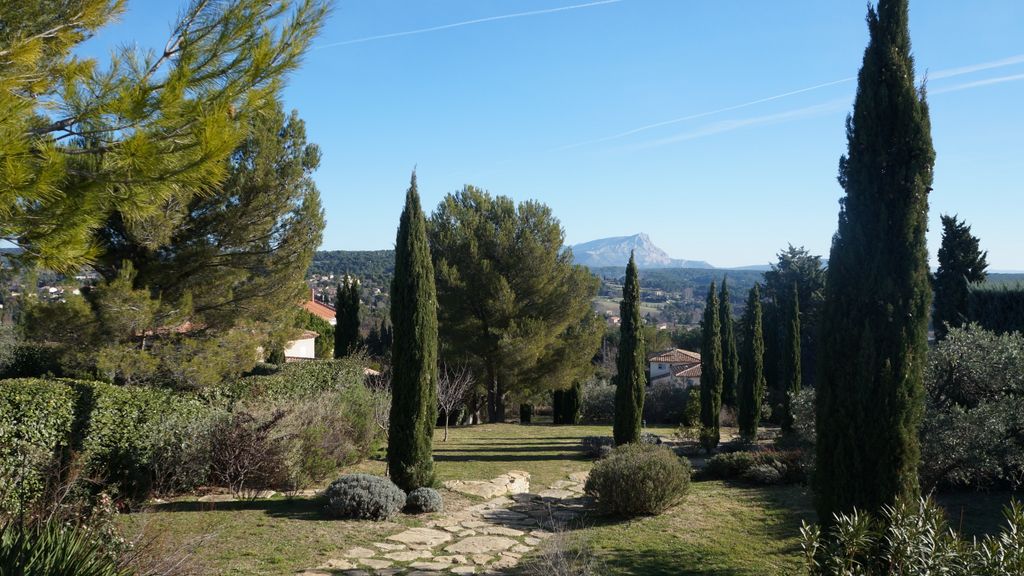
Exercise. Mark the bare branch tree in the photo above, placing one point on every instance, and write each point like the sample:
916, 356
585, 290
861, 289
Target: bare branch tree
379, 385
452, 385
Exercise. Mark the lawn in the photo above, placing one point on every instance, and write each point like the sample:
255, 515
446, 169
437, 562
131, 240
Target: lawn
719, 529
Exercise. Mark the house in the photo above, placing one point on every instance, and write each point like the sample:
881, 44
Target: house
675, 366
301, 348
317, 308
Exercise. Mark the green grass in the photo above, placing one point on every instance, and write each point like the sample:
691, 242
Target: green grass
720, 529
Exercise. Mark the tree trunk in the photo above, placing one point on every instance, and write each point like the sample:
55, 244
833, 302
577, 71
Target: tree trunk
446, 417
495, 396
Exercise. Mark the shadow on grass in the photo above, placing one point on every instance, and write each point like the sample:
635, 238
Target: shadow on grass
293, 508
973, 513
503, 449
513, 456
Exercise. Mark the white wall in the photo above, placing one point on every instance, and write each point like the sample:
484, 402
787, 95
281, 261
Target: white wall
304, 349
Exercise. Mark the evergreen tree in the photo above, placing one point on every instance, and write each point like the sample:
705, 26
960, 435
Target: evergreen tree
730, 356
875, 318
629, 381
136, 139
511, 298
414, 352
961, 263
711, 375
752, 382
346, 334
792, 372
573, 403
557, 405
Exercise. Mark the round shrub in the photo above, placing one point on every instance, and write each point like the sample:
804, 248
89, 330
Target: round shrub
766, 474
363, 496
424, 500
639, 479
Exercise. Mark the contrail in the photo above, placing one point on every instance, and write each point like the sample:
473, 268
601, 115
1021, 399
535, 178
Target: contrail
469, 23
978, 84
947, 73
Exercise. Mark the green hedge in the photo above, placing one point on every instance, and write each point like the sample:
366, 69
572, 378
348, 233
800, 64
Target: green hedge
36, 418
997, 308
112, 427
293, 380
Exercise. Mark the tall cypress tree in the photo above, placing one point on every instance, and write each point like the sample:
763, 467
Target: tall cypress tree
793, 373
874, 323
414, 352
629, 383
752, 381
961, 262
730, 356
711, 376
346, 314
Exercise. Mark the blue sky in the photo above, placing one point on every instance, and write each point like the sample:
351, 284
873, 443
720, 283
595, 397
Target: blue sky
650, 116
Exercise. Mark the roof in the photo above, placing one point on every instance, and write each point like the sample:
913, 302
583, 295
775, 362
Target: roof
319, 309
676, 356
691, 371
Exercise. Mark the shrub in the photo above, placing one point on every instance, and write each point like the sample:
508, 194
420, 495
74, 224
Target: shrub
759, 467
970, 434
36, 417
594, 445
321, 433
564, 554
424, 500
665, 403
911, 538
639, 479
598, 403
181, 448
364, 496
246, 457
691, 413
31, 360
802, 408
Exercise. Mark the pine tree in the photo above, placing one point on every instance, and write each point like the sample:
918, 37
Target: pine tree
137, 138
875, 319
346, 333
629, 381
414, 352
711, 376
961, 263
752, 382
792, 371
730, 356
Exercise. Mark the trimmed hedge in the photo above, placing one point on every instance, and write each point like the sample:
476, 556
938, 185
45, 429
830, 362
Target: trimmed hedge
36, 418
112, 427
758, 467
998, 308
292, 380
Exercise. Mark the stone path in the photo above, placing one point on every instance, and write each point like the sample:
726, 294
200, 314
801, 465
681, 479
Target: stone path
485, 538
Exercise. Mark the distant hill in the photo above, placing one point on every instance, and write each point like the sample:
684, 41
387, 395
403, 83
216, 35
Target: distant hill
607, 252
376, 266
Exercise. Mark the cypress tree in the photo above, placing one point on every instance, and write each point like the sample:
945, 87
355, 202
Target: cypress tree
730, 356
557, 405
961, 263
711, 377
873, 336
752, 382
793, 373
629, 383
573, 403
413, 353
346, 314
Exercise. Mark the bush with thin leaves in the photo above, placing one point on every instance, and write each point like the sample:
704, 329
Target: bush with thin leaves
53, 549
364, 496
423, 500
639, 479
911, 538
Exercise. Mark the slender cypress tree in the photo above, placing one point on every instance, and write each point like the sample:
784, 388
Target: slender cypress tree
711, 377
629, 383
557, 405
752, 382
792, 370
873, 335
961, 263
413, 353
730, 356
346, 313
573, 403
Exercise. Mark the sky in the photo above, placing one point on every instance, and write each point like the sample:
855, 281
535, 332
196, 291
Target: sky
714, 127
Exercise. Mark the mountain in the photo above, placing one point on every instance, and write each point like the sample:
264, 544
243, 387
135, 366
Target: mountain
615, 252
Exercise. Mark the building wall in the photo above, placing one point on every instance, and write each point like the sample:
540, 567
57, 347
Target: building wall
657, 369
304, 349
